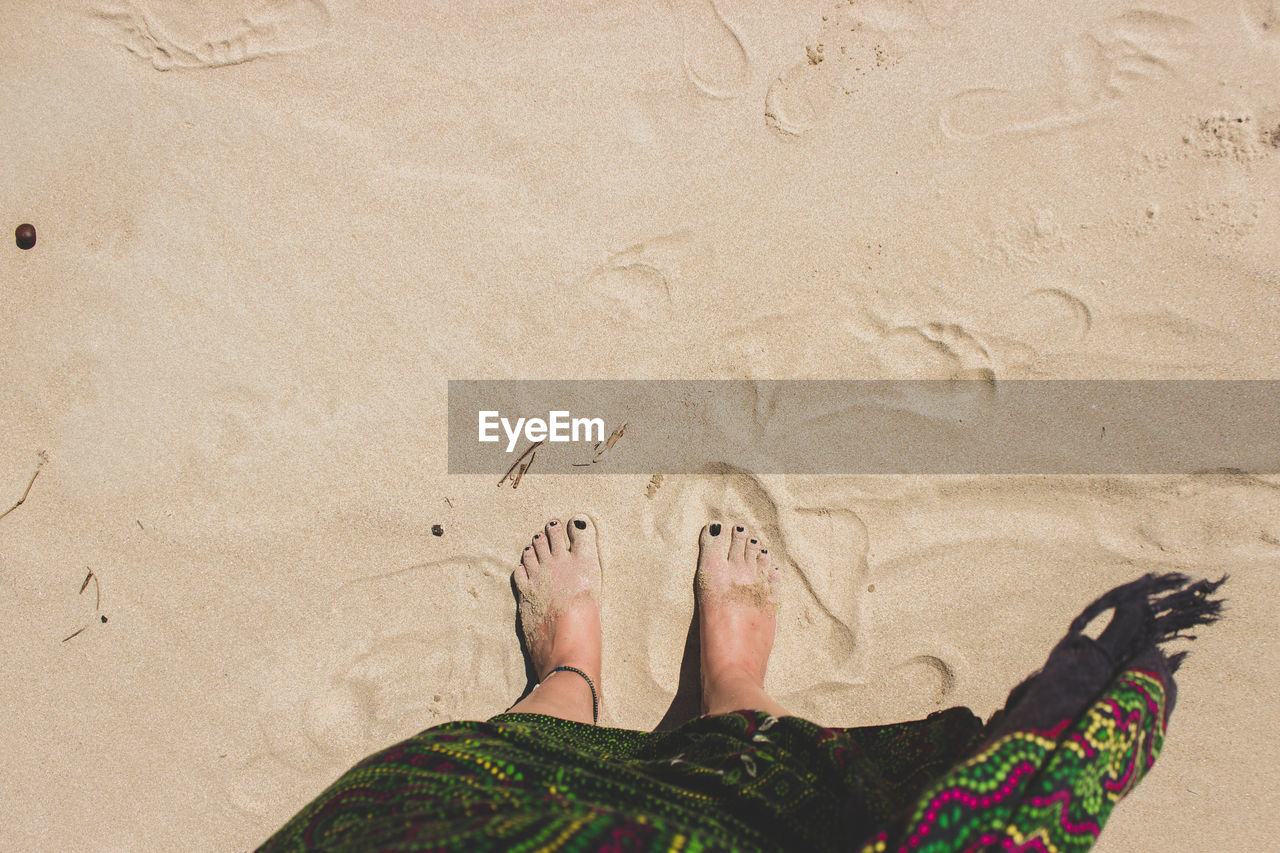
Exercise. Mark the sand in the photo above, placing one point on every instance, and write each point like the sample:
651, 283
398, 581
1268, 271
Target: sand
271, 231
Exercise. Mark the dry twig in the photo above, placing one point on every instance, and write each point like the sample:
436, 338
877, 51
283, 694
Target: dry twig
43, 458
97, 588
529, 451
608, 445
97, 604
515, 484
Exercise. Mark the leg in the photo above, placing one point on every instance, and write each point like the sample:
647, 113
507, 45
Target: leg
736, 589
558, 582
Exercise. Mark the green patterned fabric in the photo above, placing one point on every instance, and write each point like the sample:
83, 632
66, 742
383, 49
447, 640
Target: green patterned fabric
1045, 791
1042, 775
741, 781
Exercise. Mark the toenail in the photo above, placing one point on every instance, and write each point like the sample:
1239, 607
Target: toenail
537, 536
715, 530
764, 550
551, 523
755, 541
739, 528
580, 524
526, 547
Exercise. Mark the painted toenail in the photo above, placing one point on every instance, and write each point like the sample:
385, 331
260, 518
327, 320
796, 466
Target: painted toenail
551, 523
715, 530
580, 524
537, 536
755, 541
764, 550
739, 528
527, 547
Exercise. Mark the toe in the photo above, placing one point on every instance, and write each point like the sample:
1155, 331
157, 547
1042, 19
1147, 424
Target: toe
764, 564
520, 576
556, 538
713, 540
582, 534
529, 561
540, 546
738, 543
753, 549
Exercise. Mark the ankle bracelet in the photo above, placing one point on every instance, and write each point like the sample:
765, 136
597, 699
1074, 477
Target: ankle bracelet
595, 700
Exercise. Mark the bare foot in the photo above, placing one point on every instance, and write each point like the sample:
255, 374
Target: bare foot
558, 582
736, 588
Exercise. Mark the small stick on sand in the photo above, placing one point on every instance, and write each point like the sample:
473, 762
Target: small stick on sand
514, 465
97, 588
515, 484
617, 434
608, 445
97, 604
44, 457
603, 447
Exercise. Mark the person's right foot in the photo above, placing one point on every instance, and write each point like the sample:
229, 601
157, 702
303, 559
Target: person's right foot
559, 583
736, 589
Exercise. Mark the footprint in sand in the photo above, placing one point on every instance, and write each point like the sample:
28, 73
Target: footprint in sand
927, 351
630, 290
714, 57
1094, 70
266, 790
828, 549
1049, 319
789, 103
626, 303
178, 34
634, 299
639, 284
930, 670
857, 38
390, 655
1263, 17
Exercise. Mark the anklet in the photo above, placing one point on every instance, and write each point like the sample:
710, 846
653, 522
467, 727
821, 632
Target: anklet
595, 701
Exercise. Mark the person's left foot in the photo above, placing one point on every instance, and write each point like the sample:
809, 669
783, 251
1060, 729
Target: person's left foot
558, 582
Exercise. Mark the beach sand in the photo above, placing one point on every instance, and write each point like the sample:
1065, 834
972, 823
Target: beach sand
269, 231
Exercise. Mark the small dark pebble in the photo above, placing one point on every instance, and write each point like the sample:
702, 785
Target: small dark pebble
25, 235
104, 620
437, 530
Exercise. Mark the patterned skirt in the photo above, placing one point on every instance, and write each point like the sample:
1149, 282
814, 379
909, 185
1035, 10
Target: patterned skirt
1042, 774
